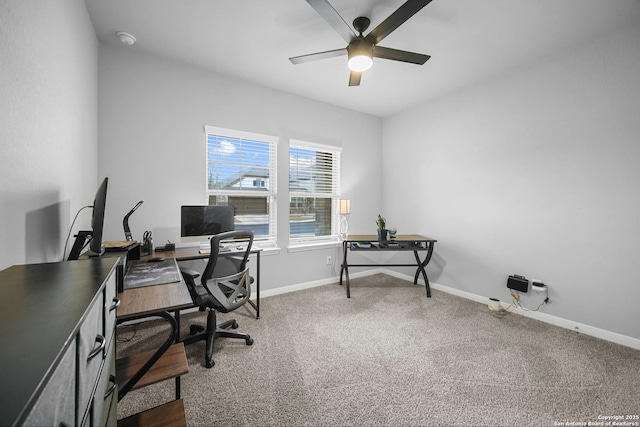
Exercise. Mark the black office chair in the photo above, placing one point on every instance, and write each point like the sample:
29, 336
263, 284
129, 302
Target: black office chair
225, 285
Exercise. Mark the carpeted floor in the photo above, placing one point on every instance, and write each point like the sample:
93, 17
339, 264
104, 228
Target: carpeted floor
390, 356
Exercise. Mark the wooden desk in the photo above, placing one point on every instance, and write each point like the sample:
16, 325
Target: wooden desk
403, 242
149, 301
193, 252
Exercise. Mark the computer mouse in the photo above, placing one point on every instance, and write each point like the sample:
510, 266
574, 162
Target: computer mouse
156, 259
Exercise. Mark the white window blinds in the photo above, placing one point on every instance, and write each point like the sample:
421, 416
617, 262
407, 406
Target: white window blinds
241, 171
314, 190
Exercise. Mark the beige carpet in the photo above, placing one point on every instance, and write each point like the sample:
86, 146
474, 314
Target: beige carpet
391, 356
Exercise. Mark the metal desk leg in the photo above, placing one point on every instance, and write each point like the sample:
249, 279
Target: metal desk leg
158, 353
344, 260
421, 266
344, 268
176, 315
256, 304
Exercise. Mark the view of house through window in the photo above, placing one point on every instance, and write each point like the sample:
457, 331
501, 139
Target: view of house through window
314, 189
241, 172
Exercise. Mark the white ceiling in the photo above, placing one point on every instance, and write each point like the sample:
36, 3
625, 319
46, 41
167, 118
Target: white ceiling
251, 40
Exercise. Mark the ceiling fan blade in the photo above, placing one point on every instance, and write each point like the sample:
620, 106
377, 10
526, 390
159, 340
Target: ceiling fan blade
354, 78
318, 55
397, 18
330, 15
399, 55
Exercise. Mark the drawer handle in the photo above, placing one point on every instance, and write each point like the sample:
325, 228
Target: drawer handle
112, 379
116, 304
103, 342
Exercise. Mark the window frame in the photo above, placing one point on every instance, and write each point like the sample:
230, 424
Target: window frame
334, 194
271, 194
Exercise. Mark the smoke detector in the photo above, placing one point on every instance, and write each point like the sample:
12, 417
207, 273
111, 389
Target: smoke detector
126, 38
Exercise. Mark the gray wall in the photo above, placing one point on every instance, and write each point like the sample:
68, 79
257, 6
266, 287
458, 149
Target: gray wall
48, 126
152, 147
536, 173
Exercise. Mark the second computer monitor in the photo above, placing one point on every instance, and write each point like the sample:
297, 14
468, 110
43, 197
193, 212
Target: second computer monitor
197, 223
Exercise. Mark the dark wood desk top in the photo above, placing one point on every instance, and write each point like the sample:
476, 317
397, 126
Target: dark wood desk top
138, 301
153, 299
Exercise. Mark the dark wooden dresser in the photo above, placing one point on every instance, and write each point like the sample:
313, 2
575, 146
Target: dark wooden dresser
57, 352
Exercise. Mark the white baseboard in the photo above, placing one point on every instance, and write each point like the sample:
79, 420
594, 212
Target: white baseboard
315, 283
543, 317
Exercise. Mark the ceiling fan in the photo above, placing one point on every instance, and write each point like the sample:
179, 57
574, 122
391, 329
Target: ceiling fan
362, 49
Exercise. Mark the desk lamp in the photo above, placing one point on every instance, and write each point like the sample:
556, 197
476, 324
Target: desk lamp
345, 209
125, 222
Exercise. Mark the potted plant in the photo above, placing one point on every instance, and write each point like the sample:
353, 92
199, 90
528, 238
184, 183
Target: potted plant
382, 228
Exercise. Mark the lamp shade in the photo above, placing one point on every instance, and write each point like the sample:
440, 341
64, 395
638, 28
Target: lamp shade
345, 206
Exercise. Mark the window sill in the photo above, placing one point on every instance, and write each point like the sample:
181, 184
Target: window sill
271, 250
312, 246
267, 247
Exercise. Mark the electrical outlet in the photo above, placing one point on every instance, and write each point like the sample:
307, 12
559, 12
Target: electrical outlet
328, 259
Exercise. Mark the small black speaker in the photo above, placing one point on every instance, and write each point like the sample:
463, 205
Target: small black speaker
518, 283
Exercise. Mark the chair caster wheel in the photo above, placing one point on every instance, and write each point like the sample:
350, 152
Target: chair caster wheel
234, 325
210, 364
194, 329
249, 341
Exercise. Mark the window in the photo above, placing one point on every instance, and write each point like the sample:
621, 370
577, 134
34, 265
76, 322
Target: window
241, 172
314, 190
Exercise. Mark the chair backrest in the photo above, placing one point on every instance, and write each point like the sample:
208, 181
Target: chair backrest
227, 278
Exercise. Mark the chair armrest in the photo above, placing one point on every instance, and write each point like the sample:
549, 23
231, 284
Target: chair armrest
189, 272
189, 277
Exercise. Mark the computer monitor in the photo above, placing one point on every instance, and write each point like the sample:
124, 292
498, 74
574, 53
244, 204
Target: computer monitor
198, 223
94, 237
97, 220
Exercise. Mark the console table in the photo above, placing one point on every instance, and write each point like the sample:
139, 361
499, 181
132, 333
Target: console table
403, 242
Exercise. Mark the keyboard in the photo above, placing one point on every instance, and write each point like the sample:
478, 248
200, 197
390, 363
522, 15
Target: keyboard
222, 249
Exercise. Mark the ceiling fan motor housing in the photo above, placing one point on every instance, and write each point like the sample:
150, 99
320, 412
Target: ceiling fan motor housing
360, 47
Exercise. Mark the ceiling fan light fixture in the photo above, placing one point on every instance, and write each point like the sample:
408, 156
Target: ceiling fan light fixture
360, 63
360, 53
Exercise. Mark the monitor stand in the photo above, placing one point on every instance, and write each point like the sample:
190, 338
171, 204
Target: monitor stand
81, 241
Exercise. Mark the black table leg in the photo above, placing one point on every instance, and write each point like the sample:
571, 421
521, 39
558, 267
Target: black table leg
344, 268
258, 286
421, 266
176, 315
173, 337
256, 304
